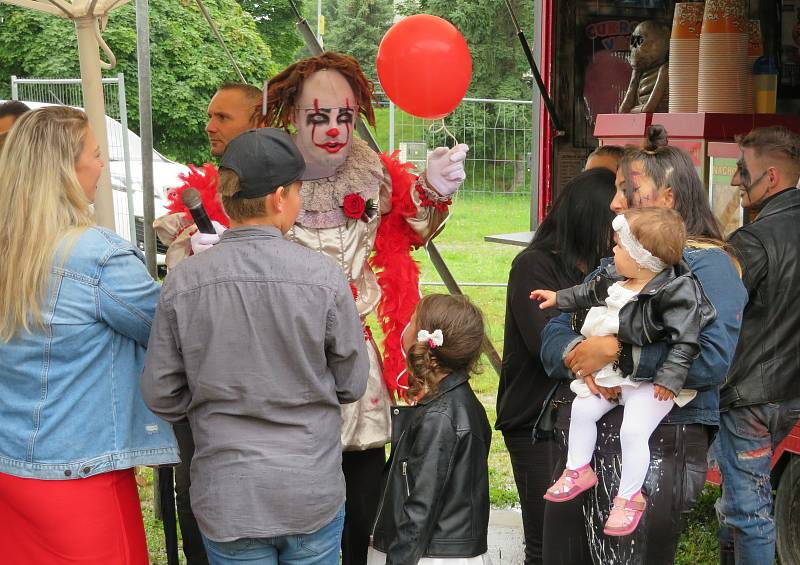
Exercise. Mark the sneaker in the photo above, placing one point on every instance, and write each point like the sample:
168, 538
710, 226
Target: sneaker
625, 515
571, 483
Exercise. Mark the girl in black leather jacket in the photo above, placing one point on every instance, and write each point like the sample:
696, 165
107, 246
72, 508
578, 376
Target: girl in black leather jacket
435, 504
656, 299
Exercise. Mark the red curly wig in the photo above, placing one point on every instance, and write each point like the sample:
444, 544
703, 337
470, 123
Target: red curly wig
285, 87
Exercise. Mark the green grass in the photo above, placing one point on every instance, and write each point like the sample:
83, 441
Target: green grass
483, 175
699, 545
152, 527
403, 130
471, 259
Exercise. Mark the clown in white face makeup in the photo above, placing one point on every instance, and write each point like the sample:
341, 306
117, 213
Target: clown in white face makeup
324, 118
366, 211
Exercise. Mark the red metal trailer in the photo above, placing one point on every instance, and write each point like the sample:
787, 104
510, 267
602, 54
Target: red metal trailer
569, 37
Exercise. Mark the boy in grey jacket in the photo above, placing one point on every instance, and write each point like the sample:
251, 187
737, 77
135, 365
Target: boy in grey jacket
257, 341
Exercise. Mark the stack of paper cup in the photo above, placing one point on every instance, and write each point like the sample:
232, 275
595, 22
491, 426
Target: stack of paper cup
722, 85
684, 56
754, 50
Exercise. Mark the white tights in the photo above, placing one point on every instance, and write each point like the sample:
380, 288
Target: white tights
643, 413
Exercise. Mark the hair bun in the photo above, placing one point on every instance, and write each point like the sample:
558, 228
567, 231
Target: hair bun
656, 137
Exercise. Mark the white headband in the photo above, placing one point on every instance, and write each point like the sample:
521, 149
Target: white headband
642, 256
433, 339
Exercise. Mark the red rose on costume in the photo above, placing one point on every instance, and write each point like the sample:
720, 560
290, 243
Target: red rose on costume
354, 206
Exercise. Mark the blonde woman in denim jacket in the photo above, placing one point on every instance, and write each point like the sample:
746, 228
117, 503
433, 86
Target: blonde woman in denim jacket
76, 303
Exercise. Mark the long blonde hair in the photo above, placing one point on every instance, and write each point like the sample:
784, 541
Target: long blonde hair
41, 203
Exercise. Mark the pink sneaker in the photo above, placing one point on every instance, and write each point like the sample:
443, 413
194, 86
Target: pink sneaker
625, 515
571, 483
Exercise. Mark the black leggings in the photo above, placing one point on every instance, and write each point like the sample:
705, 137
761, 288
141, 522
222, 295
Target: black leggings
193, 547
674, 482
533, 466
363, 471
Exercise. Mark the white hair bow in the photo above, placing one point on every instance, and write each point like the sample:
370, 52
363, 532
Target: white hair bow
638, 253
435, 339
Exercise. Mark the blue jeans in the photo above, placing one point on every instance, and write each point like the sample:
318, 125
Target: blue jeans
317, 548
743, 452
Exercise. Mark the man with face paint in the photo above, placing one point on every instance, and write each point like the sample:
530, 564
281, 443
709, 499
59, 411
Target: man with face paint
760, 401
323, 121
366, 211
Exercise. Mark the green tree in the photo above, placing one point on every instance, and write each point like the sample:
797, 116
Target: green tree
498, 70
356, 27
187, 63
275, 21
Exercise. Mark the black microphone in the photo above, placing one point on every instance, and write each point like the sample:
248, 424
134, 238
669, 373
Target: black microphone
191, 199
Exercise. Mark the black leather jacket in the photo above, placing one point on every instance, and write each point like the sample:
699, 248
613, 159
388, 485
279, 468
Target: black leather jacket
766, 366
436, 496
671, 308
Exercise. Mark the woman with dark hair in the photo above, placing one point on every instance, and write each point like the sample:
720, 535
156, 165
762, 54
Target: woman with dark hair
574, 236
656, 175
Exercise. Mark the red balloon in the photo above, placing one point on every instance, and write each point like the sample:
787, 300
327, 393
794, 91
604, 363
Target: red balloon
424, 66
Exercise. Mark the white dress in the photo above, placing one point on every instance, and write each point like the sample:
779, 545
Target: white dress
602, 321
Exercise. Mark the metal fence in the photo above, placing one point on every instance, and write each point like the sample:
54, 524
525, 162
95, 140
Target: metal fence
69, 92
498, 132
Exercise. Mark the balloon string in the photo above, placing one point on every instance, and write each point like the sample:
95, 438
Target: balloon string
437, 127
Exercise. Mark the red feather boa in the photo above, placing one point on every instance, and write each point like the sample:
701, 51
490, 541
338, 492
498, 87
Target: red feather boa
204, 179
398, 273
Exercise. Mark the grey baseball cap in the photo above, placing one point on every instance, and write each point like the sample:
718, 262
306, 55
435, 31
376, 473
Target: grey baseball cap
263, 159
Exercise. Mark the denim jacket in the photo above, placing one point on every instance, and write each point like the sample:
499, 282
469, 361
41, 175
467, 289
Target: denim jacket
70, 402
723, 287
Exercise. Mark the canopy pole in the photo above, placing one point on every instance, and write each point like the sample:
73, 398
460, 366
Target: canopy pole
91, 84
146, 131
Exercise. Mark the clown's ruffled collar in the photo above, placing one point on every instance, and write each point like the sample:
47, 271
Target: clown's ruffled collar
322, 199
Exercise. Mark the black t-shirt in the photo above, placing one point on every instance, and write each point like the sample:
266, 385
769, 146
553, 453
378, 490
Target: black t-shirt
523, 381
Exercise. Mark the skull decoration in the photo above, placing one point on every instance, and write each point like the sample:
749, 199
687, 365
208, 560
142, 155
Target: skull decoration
649, 46
647, 91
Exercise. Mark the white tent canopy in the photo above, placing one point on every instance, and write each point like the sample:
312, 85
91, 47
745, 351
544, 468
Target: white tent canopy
71, 9
90, 17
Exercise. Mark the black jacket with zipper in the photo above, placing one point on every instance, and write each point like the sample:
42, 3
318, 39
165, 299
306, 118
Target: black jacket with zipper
436, 496
672, 308
766, 366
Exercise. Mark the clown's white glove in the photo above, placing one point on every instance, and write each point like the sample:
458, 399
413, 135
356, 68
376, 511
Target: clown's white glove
205, 241
445, 172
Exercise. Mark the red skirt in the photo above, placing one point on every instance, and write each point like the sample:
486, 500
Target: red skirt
92, 521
